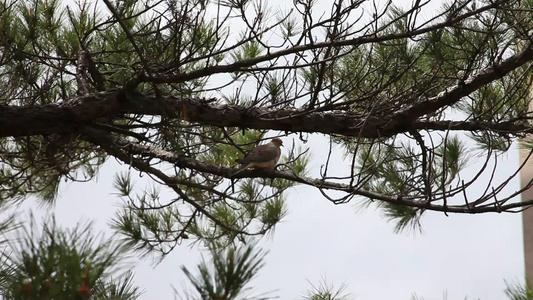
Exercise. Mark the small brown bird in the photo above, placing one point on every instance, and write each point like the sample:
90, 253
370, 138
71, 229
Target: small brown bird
262, 157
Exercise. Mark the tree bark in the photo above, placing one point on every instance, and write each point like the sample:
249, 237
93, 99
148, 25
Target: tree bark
68, 116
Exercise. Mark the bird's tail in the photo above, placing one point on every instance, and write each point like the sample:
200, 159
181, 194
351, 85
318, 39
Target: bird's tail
243, 167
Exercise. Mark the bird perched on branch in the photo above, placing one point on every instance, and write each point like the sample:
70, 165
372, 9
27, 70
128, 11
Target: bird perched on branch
262, 157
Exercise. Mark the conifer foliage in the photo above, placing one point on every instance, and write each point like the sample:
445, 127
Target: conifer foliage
62, 264
409, 95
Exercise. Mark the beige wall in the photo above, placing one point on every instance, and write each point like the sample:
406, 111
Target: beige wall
526, 174
527, 216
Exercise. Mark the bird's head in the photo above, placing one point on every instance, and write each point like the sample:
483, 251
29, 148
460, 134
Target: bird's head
277, 141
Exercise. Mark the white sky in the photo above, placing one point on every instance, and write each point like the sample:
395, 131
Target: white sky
461, 255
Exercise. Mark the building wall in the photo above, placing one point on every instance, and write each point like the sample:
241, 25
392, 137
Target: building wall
526, 174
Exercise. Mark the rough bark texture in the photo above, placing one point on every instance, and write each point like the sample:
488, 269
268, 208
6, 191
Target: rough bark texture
69, 115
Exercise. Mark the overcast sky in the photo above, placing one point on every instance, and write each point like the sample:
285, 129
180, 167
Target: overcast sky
460, 255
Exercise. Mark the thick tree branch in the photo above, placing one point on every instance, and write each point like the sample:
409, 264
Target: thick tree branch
453, 94
67, 116
63, 117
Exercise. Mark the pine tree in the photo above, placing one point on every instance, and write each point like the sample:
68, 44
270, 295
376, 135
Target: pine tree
178, 90
76, 263
62, 264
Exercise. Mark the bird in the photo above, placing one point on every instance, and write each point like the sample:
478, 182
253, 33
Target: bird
262, 157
